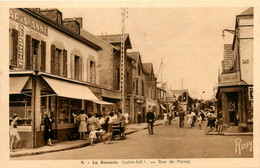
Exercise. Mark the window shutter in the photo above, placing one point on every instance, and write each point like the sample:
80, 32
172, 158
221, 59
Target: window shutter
94, 75
43, 56
28, 54
15, 46
53, 49
80, 68
65, 63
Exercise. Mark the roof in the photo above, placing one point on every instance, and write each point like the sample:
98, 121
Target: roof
115, 38
134, 55
147, 67
249, 11
86, 34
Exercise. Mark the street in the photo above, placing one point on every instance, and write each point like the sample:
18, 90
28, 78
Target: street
168, 141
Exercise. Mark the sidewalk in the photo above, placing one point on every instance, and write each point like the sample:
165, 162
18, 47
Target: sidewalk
68, 145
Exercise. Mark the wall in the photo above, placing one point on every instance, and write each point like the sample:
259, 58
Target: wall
246, 50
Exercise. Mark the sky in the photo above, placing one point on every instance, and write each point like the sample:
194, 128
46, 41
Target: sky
188, 40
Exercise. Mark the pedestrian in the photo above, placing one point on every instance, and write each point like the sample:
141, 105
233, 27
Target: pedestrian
194, 117
170, 118
126, 116
82, 118
165, 118
48, 129
220, 122
14, 135
139, 118
211, 121
109, 121
199, 119
150, 120
181, 118
189, 120
202, 116
93, 126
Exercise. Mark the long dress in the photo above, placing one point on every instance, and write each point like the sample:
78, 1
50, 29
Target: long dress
165, 118
48, 130
83, 123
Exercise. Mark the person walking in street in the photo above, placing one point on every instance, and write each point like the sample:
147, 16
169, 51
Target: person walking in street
14, 135
170, 118
220, 123
199, 119
181, 118
150, 120
93, 126
165, 118
139, 118
48, 129
189, 120
82, 118
194, 117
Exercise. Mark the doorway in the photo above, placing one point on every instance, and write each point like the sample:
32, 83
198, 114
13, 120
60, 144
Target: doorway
233, 104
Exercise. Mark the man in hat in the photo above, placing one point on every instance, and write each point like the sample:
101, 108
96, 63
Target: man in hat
150, 120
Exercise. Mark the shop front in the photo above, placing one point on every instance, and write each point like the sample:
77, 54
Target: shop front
236, 106
32, 94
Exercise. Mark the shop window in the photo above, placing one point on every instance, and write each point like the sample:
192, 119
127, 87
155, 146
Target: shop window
21, 106
63, 110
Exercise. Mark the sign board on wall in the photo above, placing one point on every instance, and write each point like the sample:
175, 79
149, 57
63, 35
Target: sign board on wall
28, 21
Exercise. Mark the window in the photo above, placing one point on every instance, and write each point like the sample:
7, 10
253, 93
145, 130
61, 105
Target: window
139, 70
136, 87
142, 88
13, 46
77, 67
21, 106
35, 53
92, 72
117, 78
58, 61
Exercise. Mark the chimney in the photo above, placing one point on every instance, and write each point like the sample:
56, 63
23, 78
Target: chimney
72, 24
53, 14
78, 19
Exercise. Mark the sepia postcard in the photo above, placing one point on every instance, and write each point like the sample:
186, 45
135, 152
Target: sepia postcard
129, 84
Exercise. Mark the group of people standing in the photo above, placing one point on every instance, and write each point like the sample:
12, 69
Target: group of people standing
99, 126
167, 118
193, 116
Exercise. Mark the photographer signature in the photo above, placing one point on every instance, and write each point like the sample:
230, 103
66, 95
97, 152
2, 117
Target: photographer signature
241, 146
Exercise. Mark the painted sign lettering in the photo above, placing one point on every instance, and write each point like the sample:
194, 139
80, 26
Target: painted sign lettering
29, 22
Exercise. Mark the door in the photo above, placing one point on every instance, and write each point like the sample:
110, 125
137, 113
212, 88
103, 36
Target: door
143, 110
232, 117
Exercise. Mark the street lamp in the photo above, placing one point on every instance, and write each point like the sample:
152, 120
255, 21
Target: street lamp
228, 30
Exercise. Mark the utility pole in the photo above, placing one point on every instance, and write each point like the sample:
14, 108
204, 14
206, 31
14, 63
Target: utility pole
122, 61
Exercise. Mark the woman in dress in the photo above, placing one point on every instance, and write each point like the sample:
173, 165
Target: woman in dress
165, 118
82, 124
48, 134
14, 135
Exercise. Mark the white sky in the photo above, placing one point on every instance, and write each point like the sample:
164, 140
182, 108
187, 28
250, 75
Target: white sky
188, 39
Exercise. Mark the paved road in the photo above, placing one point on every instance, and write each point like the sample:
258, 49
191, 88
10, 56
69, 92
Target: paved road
169, 141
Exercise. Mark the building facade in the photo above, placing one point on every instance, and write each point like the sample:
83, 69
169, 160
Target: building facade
235, 87
53, 69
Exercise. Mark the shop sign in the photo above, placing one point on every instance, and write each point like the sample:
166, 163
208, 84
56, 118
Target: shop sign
111, 94
170, 99
251, 93
29, 22
230, 77
20, 45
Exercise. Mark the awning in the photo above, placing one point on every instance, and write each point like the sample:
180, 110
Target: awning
162, 107
17, 83
70, 90
102, 102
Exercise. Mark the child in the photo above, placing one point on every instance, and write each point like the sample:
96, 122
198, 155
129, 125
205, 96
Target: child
199, 119
189, 120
